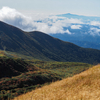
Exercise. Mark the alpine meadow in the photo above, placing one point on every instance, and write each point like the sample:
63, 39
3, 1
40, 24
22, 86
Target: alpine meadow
50, 50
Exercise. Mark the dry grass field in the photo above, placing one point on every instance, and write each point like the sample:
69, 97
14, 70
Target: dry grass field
83, 86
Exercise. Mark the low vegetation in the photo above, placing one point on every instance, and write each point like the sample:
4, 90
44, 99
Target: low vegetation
83, 86
20, 74
63, 69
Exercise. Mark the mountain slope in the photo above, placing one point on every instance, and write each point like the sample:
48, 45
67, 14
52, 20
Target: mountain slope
42, 46
83, 86
82, 40
16, 40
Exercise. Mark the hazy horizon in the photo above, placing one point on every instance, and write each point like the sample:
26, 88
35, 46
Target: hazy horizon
41, 15
80, 7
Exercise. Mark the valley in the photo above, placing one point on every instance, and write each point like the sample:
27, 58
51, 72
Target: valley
32, 60
19, 76
49, 49
44, 47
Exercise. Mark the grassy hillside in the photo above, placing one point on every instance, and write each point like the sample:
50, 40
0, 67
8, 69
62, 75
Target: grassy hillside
44, 47
63, 69
83, 86
20, 74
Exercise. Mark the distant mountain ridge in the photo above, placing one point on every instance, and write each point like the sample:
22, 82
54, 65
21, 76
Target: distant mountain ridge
42, 46
87, 35
82, 40
69, 15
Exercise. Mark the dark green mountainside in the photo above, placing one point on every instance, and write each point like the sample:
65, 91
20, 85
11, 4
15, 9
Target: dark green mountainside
42, 46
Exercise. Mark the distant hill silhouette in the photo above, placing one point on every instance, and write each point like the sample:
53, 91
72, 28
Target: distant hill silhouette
42, 46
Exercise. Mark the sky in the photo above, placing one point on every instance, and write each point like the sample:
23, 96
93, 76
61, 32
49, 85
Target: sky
83, 7
40, 15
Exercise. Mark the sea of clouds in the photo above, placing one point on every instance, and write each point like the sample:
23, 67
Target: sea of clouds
50, 24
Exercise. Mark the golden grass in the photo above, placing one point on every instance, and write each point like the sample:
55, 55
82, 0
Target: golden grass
2, 53
84, 86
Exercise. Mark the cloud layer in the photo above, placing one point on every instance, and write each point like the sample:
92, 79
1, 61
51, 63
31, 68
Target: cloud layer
51, 24
95, 23
15, 18
95, 31
76, 26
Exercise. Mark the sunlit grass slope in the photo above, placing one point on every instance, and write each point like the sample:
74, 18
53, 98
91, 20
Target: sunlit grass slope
2, 53
83, 86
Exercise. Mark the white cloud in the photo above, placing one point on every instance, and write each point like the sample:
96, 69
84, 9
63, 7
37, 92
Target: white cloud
48, 24
13, 17
76, 26
95, 23
67, 31
94, 31
74, 21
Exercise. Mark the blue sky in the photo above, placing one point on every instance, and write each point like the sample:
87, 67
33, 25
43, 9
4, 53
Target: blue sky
83, 7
